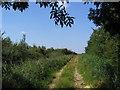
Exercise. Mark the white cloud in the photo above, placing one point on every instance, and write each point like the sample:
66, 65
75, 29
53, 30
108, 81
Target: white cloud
23, 32
64, 4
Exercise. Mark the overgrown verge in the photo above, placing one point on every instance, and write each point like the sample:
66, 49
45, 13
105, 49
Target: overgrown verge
97, 72
100, 63
32, 74
27, 66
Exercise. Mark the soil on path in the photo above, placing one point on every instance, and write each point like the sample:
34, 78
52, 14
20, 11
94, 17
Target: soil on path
79, 83
57, 76
78, 79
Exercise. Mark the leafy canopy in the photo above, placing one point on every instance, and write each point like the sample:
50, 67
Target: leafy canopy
58, 12
106, 14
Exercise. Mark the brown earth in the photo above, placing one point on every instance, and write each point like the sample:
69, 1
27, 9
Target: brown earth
78, 79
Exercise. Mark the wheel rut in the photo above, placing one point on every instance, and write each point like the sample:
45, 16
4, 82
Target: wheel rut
78, 79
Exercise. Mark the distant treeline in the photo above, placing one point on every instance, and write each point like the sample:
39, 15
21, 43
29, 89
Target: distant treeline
17, 52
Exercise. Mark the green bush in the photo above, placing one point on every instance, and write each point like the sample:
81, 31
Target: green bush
27, 66
98, 72
32, 74
107, 47
21, 51
104, 45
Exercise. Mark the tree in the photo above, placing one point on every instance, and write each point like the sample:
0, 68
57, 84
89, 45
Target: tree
58, 12
102, 44
107, 47
106, 14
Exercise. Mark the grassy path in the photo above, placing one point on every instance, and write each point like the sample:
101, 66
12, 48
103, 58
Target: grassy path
68, 76
53, 84
78, 78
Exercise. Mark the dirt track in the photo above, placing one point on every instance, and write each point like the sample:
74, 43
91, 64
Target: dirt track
78, 82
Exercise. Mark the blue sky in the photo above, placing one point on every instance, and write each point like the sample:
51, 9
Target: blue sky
41, 31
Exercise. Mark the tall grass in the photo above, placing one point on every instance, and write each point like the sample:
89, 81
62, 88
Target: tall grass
27, 66
97, 72
32, 73
66, 80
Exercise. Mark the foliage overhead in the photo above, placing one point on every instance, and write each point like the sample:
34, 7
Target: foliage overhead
58, 12
106, 14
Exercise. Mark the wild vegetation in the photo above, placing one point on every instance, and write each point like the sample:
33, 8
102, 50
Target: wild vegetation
34, 66
99, 65
27, 66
